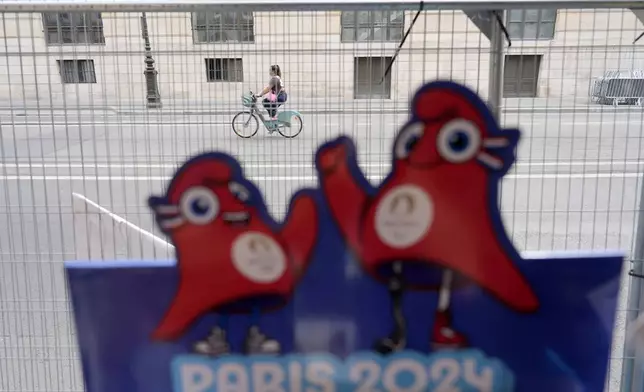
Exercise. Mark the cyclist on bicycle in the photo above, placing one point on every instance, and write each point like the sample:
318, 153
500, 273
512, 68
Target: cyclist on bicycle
275, 90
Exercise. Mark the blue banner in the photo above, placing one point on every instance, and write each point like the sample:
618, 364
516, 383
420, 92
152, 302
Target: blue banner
411, 285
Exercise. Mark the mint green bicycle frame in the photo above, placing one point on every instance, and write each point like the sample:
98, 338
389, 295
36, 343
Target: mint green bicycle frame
282, 121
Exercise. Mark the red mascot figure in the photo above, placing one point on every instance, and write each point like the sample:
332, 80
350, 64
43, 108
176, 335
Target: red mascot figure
232, 256
434, 220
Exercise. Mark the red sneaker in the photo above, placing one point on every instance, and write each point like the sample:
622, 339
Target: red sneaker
443, 335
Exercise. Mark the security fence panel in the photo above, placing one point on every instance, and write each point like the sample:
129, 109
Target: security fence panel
101, 101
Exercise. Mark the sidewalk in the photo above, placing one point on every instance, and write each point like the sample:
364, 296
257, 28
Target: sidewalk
319, 106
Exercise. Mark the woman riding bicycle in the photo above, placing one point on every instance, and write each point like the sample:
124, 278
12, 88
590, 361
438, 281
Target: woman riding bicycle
275, 90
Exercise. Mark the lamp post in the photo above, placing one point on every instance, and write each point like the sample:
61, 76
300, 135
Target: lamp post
152, 95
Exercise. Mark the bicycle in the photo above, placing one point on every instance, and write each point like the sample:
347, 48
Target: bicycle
289, 119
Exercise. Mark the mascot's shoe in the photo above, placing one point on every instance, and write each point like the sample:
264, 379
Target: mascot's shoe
214, 344
443, 335
395, 342
259, 343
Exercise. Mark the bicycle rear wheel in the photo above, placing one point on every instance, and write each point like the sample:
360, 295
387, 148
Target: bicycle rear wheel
293, 129
245, 124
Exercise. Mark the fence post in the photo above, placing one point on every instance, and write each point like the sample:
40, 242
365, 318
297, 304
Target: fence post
635, 296
495, 82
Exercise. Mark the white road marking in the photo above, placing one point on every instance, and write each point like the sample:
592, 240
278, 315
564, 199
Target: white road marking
87, 165
305, 178
572, 175
119, 219
580, 163
637, 121
114, 124
92, 165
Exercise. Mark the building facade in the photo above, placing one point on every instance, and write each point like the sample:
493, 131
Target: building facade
212, 58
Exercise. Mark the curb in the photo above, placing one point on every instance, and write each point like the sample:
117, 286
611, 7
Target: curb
233, 112
389, 111
45, 109
188, 112
578, 109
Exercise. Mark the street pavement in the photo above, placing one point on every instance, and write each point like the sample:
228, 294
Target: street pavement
74, 187
307, 105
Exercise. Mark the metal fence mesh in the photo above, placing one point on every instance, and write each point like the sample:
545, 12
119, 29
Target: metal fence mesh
80, 151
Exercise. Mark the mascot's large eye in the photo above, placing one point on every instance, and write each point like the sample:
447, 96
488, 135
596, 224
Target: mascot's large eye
199, 205
458, 141
408, 138
239, 191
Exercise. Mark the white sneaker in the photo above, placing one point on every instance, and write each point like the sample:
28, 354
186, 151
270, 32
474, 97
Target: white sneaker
259, 343
214, 344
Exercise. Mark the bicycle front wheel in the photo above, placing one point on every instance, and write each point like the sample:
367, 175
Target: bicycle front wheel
245, 124
293, 128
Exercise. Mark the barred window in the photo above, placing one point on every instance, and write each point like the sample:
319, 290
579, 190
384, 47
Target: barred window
223, 27
521, 75
227, 70
77, 71
367, 80
73, 28
532, 24
372, 25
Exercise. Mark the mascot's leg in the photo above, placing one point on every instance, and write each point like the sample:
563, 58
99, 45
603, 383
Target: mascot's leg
397, 338
443, 334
